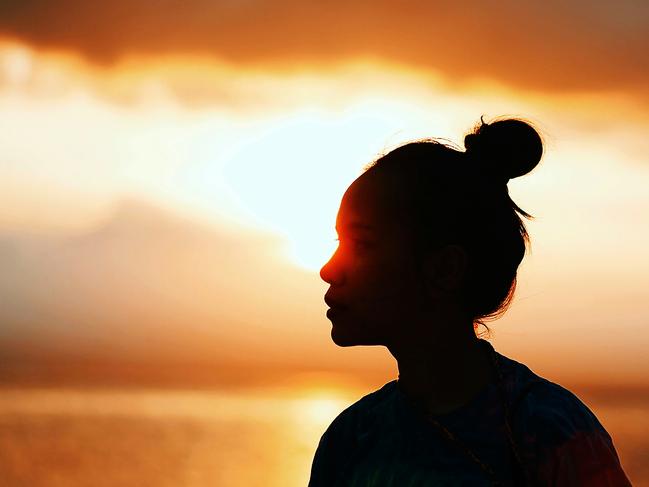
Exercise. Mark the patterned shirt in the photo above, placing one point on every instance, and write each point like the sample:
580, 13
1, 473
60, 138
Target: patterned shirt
382, 441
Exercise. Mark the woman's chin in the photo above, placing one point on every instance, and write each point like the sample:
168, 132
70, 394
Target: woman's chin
343, 338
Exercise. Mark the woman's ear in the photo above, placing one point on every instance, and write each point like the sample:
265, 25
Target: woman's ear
446, 268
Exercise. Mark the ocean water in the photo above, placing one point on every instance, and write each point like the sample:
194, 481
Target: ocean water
181, 438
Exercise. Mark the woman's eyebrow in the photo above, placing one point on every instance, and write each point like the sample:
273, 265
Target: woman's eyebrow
355, 226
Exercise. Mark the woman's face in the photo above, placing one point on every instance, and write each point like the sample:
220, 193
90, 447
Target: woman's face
374, 289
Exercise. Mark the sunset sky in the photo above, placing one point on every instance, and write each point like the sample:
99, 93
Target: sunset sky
170, 172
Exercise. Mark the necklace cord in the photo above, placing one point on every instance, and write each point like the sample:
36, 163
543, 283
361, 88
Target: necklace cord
508, 413
449, 436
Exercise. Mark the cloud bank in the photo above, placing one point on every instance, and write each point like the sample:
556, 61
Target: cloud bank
553, 45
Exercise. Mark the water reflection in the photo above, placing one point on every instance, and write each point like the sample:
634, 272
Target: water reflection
59, 437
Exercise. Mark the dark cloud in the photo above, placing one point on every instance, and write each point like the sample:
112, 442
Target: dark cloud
552, 45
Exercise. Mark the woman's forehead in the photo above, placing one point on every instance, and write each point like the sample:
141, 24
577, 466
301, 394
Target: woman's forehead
368, 202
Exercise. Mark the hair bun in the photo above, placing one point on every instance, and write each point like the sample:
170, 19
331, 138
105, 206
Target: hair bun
506, 148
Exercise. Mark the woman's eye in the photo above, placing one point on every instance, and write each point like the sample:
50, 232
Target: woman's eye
355, 244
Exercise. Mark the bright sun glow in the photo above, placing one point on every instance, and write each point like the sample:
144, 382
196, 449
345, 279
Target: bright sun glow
293, 174
320, 397
314, 412
280, 164
322, 411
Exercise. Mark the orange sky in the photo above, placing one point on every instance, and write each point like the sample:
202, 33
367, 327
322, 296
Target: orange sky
170, 177
557, 45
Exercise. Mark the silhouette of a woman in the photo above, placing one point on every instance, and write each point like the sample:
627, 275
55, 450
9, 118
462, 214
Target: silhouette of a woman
429, 246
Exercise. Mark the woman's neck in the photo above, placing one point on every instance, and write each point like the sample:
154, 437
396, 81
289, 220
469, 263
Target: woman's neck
441, 375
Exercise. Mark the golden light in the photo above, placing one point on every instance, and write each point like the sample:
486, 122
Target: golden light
292, 175
16, 63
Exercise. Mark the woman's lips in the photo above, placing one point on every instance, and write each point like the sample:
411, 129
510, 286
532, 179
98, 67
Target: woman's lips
335, 311
332, 303
335, 307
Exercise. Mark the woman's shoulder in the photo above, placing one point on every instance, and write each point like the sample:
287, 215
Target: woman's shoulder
549, 411
559, 436
551, 416
354, 417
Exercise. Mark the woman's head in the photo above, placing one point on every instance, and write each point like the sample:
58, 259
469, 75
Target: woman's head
428, 228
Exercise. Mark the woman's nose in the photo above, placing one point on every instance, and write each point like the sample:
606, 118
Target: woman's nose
331, 272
